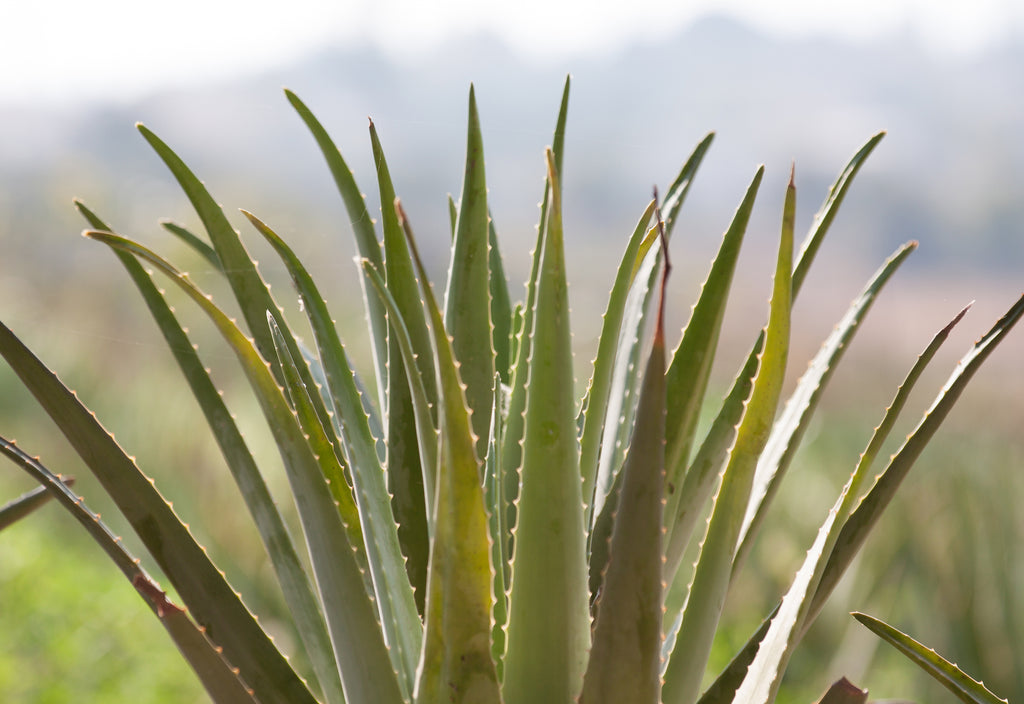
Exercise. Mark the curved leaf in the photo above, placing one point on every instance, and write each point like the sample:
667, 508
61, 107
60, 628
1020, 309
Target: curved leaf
222, 681
952, 677
360, 652
295, 585
212, 602
365, 236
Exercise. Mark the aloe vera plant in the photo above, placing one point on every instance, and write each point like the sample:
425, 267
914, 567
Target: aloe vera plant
474, 531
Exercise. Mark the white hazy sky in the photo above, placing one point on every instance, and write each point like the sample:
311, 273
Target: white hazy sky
64, 50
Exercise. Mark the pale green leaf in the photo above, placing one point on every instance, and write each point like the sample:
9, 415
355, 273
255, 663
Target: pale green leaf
549, 620
467, 314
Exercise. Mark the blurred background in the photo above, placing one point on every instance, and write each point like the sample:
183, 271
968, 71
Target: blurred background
780, 83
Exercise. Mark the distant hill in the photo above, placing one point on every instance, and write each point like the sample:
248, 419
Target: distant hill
951, 171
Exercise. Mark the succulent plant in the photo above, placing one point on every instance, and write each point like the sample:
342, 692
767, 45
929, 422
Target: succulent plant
476, 532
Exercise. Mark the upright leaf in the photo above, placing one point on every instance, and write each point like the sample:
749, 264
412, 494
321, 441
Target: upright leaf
466, 317
711, 581
595, 403
405, 475
795, 417
512, 443
549, 620
691, 367
625, 660
456, 664
393, 592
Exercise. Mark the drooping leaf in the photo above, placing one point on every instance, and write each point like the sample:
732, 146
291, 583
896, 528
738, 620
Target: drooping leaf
210, 599
222, 681
949, 675
549, 620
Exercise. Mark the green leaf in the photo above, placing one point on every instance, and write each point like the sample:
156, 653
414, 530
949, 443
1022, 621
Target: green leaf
549, 620
595, 403
867, 513
713, 450
676, 193
16, 509
456, 663
298, 592
360, 652
405, 476
222, 682
729, 680
794, 419
627, 362
499, 529
827, 213
625, 660
501, 307
193, 241
365, 236
512, 443
711, 581
687, 382
427, 433
211, 601
393, 592
952, 677
469, 322
251, 292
